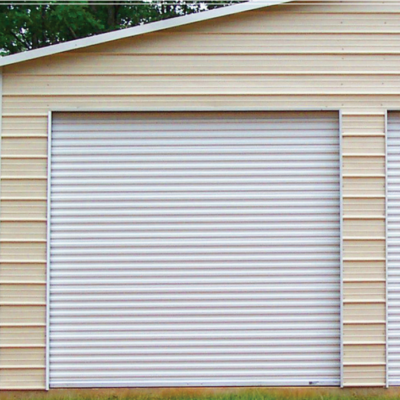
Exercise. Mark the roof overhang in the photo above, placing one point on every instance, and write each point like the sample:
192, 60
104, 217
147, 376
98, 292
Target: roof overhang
137, 30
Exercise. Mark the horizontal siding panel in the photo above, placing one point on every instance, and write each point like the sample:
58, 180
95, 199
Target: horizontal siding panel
23, 146
19, 293
363, 207
23, 230
364, 249
197, 84
22, 315
364, 228
363, 145
68, 64
22, 252
17, 168
35, 105
22, 337
364, 166
373, 375
367, 354
360, 270
22, 272
22, 357
26, 378
367, 124
298, 18
364, 291
362, 333
299, 23
364, 313
23, 127
24, 188
347, 6
170, 42
363, 186
23, 209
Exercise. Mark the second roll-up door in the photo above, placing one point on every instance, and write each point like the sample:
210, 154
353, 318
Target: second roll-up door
194, 249
393, 247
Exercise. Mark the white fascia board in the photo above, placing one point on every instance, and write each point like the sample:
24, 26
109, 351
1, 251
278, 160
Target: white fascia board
138, 30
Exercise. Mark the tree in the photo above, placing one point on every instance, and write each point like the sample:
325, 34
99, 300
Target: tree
30, 25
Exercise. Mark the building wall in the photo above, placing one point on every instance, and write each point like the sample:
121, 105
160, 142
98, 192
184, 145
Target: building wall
339, 55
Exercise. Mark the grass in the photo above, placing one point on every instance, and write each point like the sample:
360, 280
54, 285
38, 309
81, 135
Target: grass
207, 394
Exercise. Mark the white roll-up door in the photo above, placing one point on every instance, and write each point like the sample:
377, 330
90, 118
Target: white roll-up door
393, 247
194, 249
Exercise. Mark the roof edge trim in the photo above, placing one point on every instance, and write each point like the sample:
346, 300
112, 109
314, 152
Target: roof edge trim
137, 30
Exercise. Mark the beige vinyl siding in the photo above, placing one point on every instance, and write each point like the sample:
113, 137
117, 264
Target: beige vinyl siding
356, 208
34, 273
22, 337
28, 378
338, 55
23, 256
364, 286
368, 270
364, 375
360, 334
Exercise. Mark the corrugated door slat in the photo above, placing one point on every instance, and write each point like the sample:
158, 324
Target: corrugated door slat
194, 249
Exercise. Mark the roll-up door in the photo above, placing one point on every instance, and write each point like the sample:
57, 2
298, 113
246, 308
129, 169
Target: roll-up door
393, 247
194, 249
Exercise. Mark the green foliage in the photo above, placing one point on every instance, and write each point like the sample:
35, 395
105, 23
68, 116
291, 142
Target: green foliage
37, 24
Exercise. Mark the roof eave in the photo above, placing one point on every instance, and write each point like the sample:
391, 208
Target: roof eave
137, 30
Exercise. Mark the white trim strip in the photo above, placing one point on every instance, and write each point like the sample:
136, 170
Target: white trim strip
49, 128
386, 251
138, 30
192, 108
341, 246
